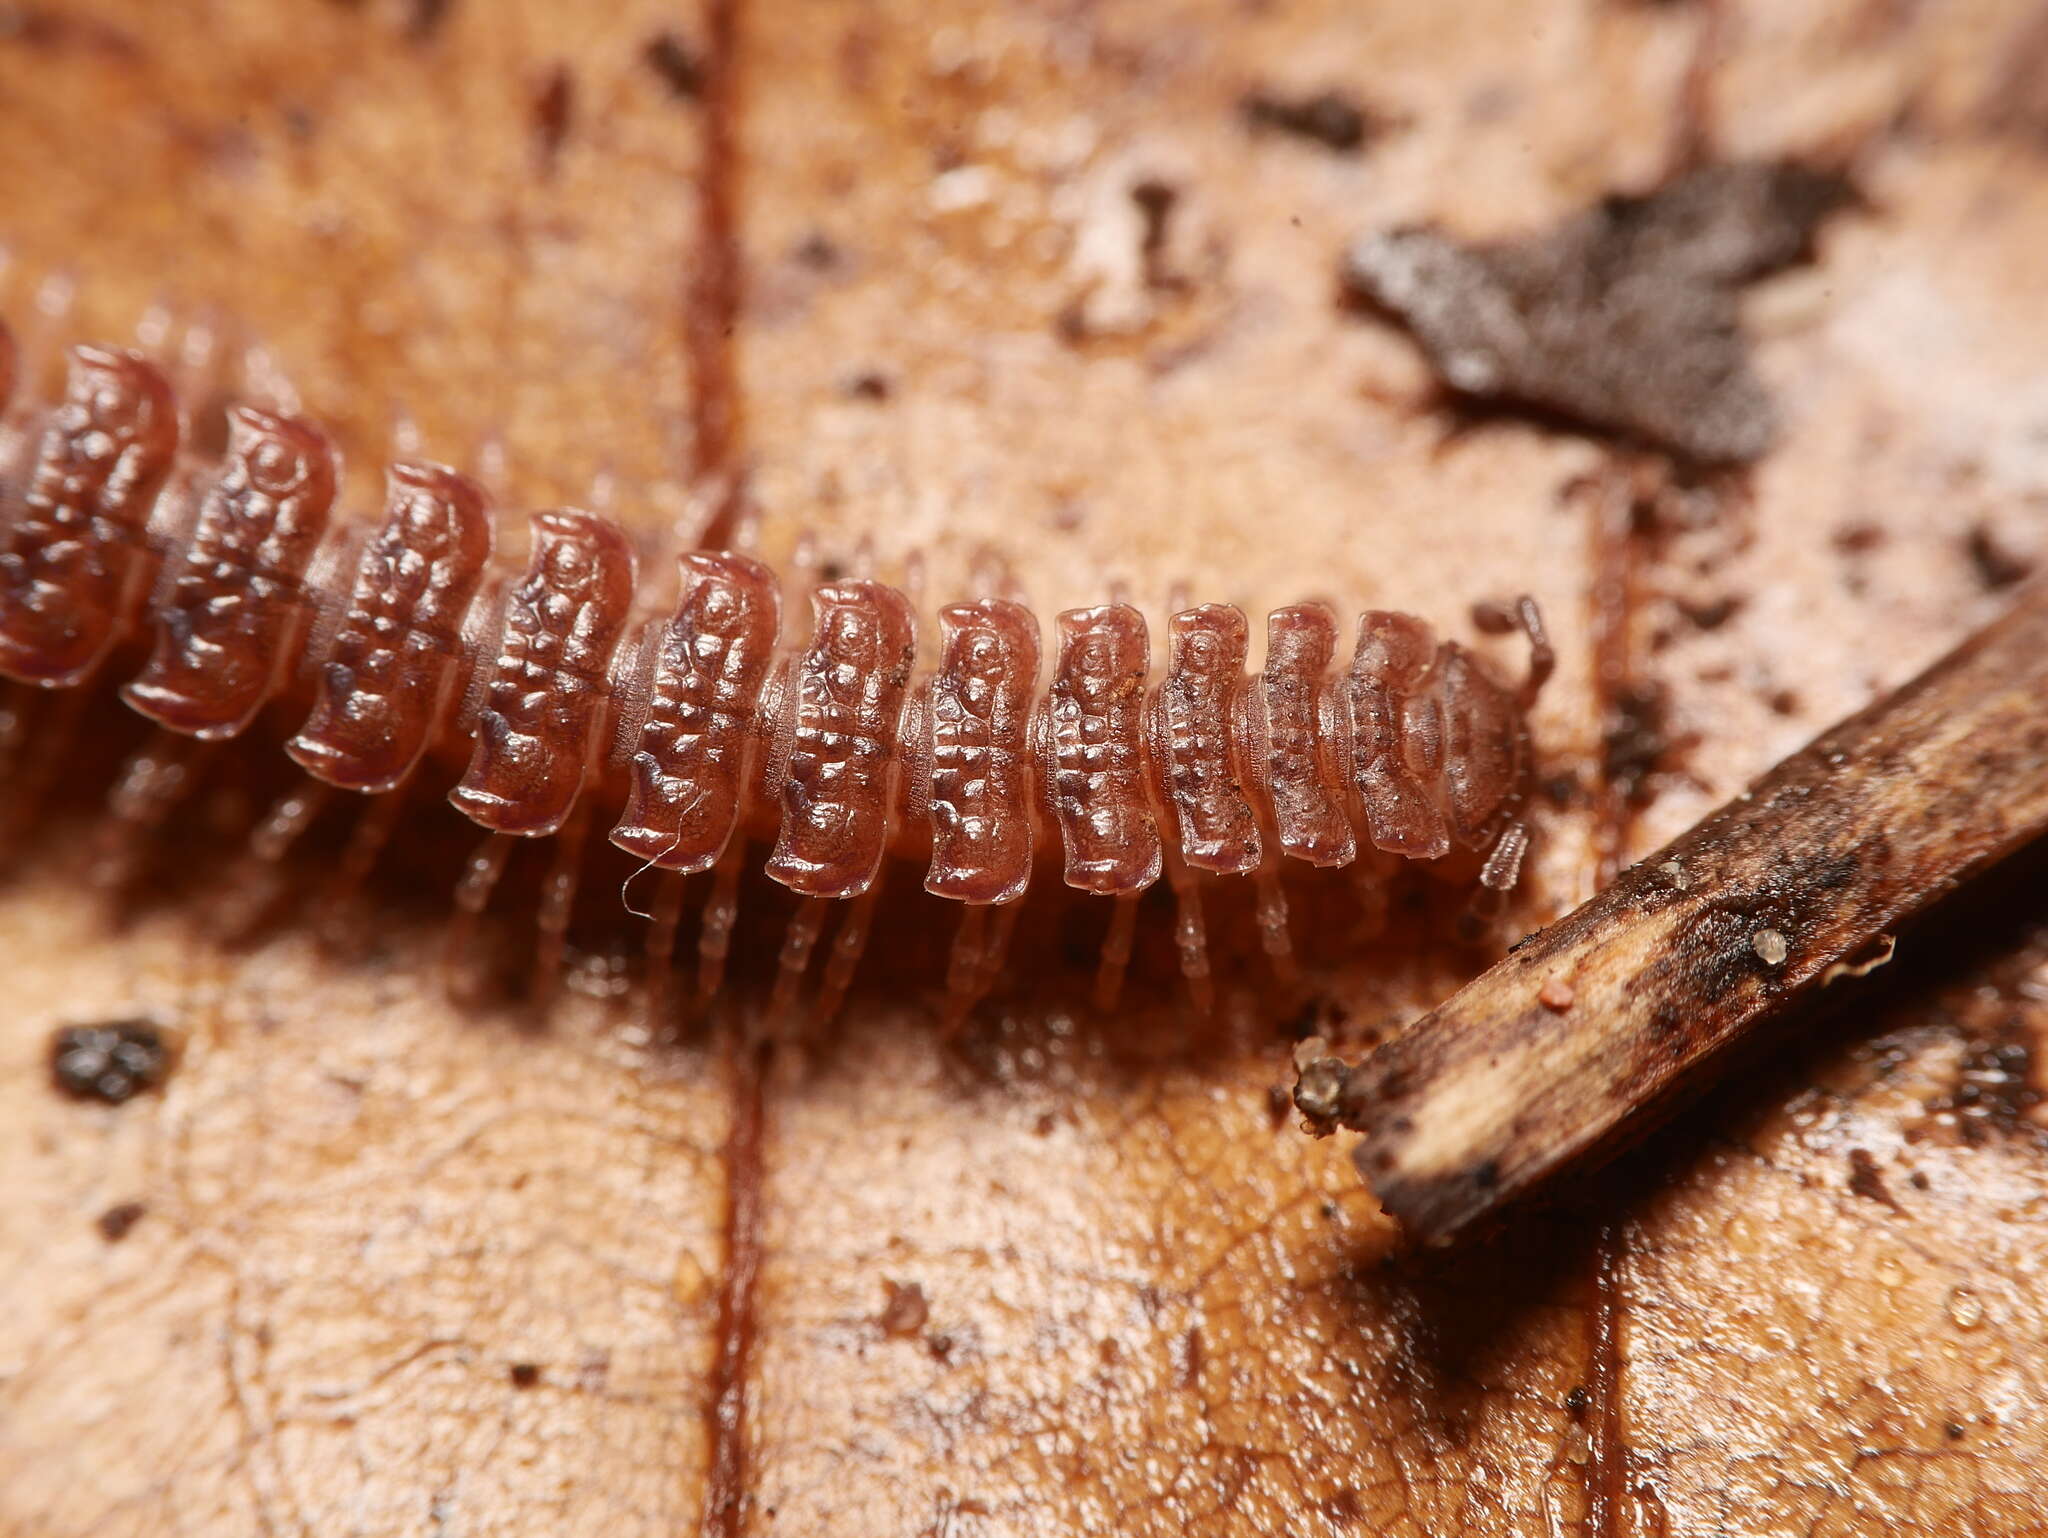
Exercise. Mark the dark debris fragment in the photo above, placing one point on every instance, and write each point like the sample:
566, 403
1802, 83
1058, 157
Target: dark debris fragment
1328, 118
118, 1219
678, 65
906, 1310
1996, 559
112, 1061
1624, 318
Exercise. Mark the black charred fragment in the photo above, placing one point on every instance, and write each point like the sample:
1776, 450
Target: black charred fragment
1624, 318
1328, 118
111, 1061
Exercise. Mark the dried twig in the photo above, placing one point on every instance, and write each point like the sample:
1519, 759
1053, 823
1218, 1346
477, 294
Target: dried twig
1569, 1046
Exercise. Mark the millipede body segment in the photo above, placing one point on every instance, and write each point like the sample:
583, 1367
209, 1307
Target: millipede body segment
558, 691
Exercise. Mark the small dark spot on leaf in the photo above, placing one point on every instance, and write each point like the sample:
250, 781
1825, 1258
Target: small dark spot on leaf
115, 1222
1329, 118
1711, 615
1865, 1179
1995, 1092
905, 1310
817, 252
1342, 1507
1636, 740
677, 63
52, 29
554, 106
427, 18
525, 1374
1155, 199
1279, 1101
1997, 564
112, 1061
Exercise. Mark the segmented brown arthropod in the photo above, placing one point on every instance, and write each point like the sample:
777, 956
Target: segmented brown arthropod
558, 692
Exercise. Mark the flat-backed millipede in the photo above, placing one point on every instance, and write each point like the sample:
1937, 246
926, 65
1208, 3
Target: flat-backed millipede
704, 723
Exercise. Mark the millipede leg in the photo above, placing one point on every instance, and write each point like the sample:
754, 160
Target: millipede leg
17, 702
288, 818
999, 932
366, 842
964, 967
558, 901
473, 890
666, 918
1116, 952
798, 941
41, 763
1503, 868
721, 912
1272, 919
150, 784
255, 888
1371, 874
848, 946
1191, 934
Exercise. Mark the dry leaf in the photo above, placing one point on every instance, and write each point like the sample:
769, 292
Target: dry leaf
404, 1267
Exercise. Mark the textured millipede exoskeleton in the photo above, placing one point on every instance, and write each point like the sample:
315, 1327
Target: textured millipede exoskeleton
708, 726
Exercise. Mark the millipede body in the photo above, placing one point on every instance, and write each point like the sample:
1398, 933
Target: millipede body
711, 725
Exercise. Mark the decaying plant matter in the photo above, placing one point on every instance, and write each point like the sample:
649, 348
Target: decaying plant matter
1591, 1026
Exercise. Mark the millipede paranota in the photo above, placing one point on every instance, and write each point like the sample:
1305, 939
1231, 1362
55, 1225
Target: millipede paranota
705, 725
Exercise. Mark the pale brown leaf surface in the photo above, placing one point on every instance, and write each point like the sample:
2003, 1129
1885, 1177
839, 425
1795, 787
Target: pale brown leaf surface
1150, 1308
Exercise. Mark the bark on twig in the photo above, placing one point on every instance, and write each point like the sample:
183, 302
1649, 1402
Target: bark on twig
1563, 1050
